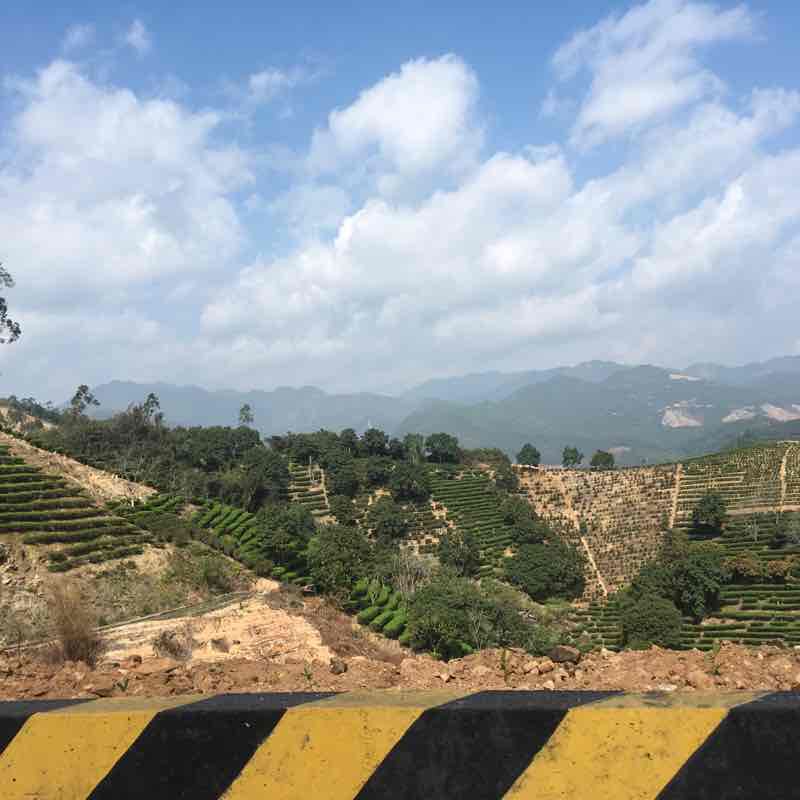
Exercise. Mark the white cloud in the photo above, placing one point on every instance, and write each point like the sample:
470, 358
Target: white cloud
644, 65
77, 37
103, 189
417, 121
403, 245
138, 37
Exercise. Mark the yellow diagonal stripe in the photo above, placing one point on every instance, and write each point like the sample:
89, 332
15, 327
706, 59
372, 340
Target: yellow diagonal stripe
627, 748
327, 750
64, 754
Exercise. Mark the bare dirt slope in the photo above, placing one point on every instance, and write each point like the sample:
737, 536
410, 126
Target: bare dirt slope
287, 645
99, 485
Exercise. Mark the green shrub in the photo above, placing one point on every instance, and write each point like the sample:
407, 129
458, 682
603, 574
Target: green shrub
338, 556
381, 620
368, 614
459, 551
396, 625
450, 616
651, 620
343, 509
552, 569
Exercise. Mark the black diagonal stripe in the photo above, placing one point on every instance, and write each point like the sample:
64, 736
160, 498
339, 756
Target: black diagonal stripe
196, 751
753, 753
15, 714
472, 748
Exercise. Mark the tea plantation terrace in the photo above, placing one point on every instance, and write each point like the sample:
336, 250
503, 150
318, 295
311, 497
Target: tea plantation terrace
44, 510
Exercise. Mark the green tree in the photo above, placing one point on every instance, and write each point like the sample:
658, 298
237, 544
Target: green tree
387, 520
342, 476
374, 442
410, 482
571, 457
378, 470
266, 478
10, 331
397, 450
443, 448
414, 444
348, 438
81, 400
689, 575
529, 455
338, 556
505, 479
343, 509
246, 417
459, 551
710, 513
451, 616
546, 570
527, 527
650, 620
602, 460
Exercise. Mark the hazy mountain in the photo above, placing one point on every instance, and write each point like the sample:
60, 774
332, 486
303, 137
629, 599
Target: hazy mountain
739, 376
478, 387
278, 411
641, 412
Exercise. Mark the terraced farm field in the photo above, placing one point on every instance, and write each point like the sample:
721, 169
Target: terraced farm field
472, 507
44, 510
760, 486
618, 515
748, 480
307, 487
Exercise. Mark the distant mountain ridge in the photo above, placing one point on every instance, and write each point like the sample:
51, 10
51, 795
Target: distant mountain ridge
642, 413
284, 409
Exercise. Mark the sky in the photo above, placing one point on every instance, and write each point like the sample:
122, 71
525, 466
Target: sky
361, 196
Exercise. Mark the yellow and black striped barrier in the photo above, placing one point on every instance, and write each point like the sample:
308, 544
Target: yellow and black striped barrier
599, 745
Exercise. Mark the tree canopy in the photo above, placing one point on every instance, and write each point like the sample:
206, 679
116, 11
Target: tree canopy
571, 457
710, 513
246, 416
529, 455
443, 448
602, 460
10, 331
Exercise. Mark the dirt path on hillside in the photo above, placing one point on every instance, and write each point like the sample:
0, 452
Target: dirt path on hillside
782, 475
99, 485
673, 514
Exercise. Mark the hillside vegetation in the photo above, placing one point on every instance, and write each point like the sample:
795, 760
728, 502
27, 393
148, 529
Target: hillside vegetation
445, 549
625, 518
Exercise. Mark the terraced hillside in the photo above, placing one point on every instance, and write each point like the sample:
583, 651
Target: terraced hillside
44, 510
749, 480
620, 516
307, 487
471, 505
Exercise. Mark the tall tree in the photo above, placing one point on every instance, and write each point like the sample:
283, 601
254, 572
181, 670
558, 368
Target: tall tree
529, 455
710, 513
571, 457
81, 400
602, 460
414, 444
9, 330
374, 442
443, 448
246, 415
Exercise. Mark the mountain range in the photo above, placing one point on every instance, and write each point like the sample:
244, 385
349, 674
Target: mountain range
641, 413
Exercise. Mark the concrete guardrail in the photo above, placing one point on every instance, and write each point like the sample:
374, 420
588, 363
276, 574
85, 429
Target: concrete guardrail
599, 745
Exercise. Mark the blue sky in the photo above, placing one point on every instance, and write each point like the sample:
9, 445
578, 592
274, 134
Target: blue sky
365, 195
